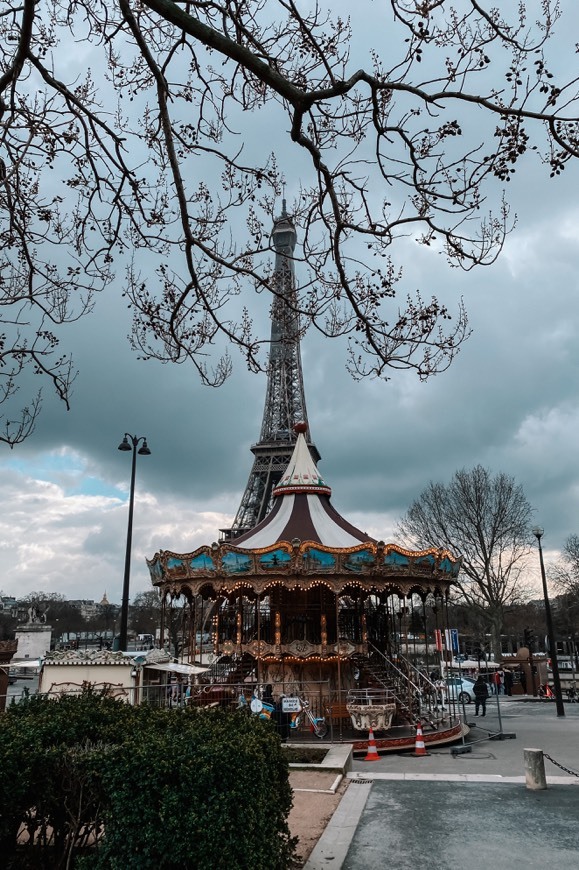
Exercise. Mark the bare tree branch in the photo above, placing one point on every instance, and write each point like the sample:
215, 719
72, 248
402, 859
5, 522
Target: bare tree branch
158, 177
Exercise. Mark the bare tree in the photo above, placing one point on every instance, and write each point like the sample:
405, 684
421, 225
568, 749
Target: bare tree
136, 160
17, 430
486, 520
146, 612
566, 572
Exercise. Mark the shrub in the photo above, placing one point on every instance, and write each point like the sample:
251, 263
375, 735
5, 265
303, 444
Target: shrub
169, 788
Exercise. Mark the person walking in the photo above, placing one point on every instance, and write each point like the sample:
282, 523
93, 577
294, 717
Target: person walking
497, 680
508, 683
481, 693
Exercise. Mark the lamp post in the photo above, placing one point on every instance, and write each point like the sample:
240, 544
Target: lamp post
538, 533
129, 442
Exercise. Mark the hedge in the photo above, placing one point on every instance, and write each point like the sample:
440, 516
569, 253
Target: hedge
99, 784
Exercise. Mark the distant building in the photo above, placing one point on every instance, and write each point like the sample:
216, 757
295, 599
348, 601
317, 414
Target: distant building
88, 608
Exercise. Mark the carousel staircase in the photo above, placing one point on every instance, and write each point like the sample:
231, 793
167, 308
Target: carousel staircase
231, 670
380, 672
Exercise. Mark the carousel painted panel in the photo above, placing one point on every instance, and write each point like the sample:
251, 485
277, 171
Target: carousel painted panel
394, 559
155, 570
173, 566
428, 561
314, 559
361, 560
450, 567
201, 563
236, 563
275, 560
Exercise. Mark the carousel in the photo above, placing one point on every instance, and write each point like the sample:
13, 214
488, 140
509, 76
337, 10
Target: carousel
313, 611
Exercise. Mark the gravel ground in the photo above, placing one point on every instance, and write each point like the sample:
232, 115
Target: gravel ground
313, 807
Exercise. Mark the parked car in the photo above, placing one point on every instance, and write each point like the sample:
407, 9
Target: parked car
461, 688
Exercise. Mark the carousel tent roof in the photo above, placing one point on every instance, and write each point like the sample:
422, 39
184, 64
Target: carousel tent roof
302, 508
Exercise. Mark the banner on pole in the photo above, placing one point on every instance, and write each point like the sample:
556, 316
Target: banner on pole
454, 639
438, 639
451, 639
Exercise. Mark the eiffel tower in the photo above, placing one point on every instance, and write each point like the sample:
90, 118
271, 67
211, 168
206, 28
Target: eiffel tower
285, 403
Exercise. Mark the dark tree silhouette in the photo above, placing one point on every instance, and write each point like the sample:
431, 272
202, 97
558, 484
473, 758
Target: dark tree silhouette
130, 161
486, 520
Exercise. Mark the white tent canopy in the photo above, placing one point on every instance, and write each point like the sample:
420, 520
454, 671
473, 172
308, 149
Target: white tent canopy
25, 663
176, 668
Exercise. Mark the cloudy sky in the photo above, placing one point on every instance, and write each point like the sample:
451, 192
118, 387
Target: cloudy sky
509, 402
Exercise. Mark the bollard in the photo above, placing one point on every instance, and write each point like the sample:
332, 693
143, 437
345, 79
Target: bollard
535, 769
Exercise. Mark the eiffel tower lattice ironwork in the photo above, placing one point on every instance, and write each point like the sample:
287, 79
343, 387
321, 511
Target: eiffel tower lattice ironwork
285, 403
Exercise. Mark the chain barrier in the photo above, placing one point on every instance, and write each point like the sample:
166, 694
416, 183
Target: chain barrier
562, 766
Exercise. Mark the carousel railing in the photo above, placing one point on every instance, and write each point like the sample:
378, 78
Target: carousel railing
301, 711
415, 691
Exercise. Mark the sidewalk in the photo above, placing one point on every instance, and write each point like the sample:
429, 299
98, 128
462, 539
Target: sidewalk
473, 810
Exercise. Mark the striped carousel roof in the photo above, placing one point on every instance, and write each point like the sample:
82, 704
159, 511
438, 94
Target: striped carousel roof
302, 508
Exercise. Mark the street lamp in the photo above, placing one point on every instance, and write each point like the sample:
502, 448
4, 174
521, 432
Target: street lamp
129, 442
538, 533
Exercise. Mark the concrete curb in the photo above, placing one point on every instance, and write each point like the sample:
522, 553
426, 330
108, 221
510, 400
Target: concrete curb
457, 777
332, 847
338, 758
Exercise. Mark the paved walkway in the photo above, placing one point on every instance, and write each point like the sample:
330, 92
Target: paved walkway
472, 810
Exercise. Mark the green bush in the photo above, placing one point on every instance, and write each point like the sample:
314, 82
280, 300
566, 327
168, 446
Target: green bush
169, 788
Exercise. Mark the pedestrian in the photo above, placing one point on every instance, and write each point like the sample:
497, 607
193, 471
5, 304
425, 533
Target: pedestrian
523, 679
497, 682
508, 682
481, 693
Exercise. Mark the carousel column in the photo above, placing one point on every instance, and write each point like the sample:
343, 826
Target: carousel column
364, 626
324, 634
277, 637
239, 625
425, 627
387, 624
339, 663
192, 628
399, 633
413, 622
192, 611
258, 608
216, 630
437, 632
162, 625
449, 652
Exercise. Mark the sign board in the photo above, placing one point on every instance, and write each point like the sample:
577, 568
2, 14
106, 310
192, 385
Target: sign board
291, 705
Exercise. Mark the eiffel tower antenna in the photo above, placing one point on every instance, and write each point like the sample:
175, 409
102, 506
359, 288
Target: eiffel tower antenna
285, 403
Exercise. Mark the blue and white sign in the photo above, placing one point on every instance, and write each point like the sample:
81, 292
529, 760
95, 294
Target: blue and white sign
451, 638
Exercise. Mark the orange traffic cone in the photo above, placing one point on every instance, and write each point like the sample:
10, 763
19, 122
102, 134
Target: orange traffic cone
419, 747
372, 754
